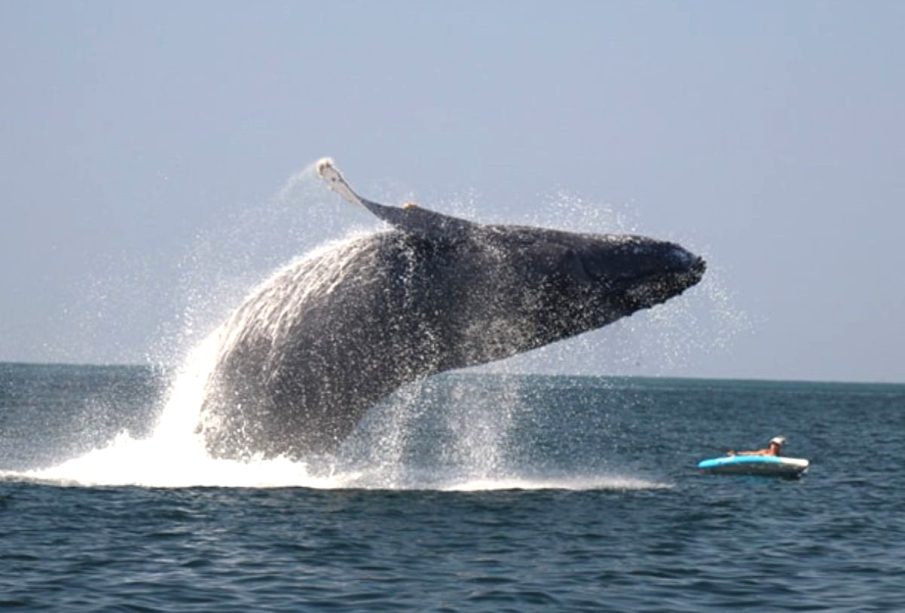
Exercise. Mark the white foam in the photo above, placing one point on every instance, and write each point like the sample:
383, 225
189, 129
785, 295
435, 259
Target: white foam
149, 463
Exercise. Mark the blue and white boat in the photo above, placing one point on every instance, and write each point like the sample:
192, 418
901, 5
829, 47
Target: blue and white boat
766, 465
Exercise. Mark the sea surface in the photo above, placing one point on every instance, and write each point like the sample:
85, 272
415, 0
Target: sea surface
467, 492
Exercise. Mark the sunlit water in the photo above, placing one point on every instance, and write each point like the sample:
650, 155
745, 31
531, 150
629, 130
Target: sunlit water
589, 500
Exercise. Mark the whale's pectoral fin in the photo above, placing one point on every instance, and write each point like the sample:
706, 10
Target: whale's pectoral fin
409, 218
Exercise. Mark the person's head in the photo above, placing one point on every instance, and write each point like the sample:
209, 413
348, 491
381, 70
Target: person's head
777, 442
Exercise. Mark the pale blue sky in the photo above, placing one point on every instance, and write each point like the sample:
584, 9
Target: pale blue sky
141, 145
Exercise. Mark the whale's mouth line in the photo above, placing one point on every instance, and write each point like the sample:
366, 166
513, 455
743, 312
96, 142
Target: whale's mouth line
654, 288
687, 275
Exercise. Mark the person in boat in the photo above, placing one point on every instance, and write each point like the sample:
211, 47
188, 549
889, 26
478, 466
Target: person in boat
774, 448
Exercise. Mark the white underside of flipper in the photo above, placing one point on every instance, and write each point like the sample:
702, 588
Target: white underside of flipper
335, 181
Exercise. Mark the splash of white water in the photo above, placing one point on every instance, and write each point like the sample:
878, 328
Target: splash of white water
174, 455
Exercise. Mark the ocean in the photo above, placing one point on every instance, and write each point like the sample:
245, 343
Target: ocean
466, 492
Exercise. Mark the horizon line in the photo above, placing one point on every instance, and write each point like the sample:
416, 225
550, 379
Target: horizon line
470, 371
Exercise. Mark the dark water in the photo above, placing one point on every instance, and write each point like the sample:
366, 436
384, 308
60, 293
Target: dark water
612, 514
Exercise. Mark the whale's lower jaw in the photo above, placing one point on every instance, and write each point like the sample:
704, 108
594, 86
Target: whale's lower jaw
658, 288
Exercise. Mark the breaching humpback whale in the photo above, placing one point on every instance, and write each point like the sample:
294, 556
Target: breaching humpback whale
309, 352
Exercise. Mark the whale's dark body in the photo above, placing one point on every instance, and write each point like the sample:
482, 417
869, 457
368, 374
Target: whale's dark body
313, 349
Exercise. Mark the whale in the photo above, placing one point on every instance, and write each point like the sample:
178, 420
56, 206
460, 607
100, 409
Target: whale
313, 348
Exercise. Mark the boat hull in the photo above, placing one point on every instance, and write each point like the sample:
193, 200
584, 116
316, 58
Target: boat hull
770, 466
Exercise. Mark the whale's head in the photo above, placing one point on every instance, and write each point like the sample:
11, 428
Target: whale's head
585, 281
526, 287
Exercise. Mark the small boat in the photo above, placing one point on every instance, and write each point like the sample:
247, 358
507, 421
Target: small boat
765, 465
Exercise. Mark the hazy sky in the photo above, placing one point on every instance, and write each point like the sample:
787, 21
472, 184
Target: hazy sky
142, 145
